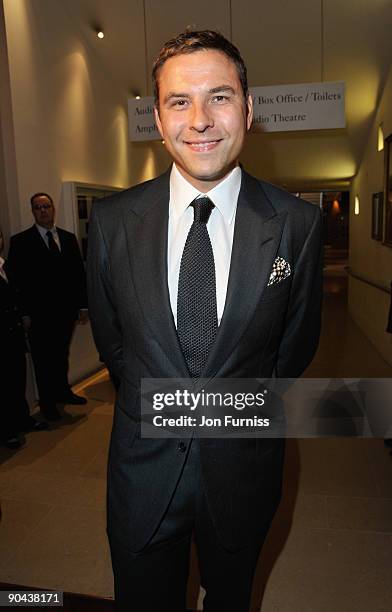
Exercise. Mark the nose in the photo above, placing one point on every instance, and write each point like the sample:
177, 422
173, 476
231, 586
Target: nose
201, 117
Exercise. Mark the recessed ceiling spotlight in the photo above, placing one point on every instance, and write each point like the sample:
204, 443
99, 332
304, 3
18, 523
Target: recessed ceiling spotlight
100, 34
138, 97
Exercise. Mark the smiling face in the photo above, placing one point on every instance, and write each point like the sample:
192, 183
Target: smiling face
203, 116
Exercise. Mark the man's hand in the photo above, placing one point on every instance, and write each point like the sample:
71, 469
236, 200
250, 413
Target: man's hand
83, 316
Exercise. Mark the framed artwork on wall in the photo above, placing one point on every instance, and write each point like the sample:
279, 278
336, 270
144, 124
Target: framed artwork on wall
388, 191
377, 215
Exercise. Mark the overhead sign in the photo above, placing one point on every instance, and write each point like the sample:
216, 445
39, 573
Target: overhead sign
277, 108
141, 119
308, 106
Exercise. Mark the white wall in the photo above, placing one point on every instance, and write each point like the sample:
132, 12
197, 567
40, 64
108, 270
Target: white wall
69, 119
370, 258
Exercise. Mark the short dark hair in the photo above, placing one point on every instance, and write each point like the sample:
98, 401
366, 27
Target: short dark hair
40, 194
191, 41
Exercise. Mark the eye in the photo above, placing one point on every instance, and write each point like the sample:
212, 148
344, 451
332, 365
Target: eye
179, 103
220, 99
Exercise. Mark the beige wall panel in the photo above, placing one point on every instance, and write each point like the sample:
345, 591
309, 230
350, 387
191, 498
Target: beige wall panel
358, 50
122, 57
300, 159
281, 43
166, 19
149, 159
9, 213
70, 117
122, 51
370, 258
280, 40
369, 309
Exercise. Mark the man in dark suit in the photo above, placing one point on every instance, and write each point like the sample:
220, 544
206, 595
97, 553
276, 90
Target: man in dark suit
187, 286
48, 270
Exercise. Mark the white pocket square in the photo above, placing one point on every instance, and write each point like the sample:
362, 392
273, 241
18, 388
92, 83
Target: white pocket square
280, 270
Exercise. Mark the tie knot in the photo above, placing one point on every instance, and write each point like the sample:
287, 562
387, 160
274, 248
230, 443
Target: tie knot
202, 209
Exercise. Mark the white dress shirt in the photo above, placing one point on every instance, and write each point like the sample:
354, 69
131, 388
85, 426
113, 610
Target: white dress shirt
44, 230
220, 228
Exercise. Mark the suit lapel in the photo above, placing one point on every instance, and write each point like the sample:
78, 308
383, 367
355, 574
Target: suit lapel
257, 234
146, 225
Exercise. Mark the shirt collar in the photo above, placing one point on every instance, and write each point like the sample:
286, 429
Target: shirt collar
44, 230
224, 195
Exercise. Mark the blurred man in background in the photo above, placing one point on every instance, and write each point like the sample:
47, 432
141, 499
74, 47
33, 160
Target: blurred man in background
48, 270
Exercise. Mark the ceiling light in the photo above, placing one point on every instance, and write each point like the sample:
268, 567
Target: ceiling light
138, 97
100, 34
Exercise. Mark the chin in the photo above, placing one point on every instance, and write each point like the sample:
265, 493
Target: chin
218, 175
204, 172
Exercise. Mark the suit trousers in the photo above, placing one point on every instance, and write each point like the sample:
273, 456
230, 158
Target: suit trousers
15, 411
156, 578
49, 341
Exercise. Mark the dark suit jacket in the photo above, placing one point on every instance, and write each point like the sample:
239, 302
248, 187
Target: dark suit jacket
51, 287
11, 328
264, 330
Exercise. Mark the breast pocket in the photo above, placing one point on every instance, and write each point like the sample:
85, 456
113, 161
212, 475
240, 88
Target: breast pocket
277, 290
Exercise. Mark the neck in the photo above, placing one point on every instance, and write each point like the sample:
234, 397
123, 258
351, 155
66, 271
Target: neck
47, 226
205, 185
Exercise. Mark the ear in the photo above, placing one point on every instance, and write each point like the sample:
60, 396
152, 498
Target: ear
158, 121
249, 108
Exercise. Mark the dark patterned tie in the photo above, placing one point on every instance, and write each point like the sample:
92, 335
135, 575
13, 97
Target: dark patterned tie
197, 319
52, 244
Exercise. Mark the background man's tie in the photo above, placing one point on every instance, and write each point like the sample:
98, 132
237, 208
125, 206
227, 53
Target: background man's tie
197, 319
53, 248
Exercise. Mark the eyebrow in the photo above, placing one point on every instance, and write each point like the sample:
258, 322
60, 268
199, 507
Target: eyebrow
224, 88
221, 88
172, 95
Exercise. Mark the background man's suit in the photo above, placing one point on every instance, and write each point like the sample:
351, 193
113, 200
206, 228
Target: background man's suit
265, 330
53, 291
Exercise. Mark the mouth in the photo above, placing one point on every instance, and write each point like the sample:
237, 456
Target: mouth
202, 146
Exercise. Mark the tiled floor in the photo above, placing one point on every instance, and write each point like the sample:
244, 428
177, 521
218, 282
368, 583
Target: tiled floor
330, 546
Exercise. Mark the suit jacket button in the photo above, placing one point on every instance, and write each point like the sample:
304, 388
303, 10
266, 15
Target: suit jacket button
181, 447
